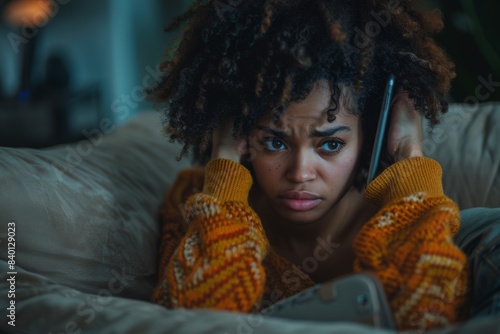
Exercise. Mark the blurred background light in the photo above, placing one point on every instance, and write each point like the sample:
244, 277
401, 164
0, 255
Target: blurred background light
27, 12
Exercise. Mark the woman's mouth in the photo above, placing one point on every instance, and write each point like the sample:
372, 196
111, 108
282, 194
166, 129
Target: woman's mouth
300, 200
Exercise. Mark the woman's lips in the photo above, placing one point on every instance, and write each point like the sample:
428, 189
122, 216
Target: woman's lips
300, 200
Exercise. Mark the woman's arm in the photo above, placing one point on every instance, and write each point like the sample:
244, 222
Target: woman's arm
216, 260
408, 245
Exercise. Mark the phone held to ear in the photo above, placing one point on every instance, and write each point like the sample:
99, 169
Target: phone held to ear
355, 298
380, 134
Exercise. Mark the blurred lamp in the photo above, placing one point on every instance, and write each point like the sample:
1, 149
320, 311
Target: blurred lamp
28, 13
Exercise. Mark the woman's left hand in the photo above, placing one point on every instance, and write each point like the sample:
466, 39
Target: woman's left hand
405, 136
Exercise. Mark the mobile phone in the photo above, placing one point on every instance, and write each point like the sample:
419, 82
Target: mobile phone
382, 124
358, 298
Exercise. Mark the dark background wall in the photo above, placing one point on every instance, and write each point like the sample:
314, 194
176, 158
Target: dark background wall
472, 38
108, 50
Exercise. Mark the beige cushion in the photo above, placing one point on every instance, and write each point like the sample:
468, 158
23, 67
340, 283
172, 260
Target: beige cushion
467, 144
85, 213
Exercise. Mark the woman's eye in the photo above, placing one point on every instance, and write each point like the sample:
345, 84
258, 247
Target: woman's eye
332, 146
273, 144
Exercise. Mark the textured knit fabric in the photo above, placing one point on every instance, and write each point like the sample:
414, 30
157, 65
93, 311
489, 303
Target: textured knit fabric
214, 252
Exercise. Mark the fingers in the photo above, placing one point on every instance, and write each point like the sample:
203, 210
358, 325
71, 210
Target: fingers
225, 146
405, 135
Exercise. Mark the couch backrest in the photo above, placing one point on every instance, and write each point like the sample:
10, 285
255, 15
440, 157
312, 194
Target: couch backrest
467, 144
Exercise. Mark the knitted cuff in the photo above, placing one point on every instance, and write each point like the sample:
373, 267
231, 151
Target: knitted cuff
406, 177
227, 180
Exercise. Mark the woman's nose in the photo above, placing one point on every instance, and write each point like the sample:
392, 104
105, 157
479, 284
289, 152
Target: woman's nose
301, 168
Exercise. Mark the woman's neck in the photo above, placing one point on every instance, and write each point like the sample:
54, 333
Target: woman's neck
334, 232
340, 220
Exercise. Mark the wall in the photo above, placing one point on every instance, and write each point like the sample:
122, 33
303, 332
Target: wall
139, 43
113, 45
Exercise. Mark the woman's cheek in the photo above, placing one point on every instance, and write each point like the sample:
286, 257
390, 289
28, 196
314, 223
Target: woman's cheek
261, 164
266, 168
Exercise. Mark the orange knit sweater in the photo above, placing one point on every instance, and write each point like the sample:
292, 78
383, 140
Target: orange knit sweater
214, 252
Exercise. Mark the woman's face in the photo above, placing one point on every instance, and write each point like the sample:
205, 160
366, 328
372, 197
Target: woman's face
304, 164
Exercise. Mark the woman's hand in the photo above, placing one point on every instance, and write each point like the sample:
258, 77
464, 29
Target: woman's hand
405, 135
225, 146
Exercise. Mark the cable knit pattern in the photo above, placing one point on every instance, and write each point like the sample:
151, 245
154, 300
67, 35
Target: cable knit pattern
214, 253
408, 245
218, 261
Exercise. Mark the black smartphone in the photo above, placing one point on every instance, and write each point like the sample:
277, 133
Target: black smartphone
382, 124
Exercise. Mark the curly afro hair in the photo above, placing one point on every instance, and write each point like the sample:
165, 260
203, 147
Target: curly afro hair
239, 60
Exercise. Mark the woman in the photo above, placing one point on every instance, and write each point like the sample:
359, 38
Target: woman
282, 99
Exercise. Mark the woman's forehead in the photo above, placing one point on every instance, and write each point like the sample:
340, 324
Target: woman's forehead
312, 112
293, 124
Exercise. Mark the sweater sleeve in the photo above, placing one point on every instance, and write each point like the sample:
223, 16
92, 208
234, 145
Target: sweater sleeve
408, 245
217, 262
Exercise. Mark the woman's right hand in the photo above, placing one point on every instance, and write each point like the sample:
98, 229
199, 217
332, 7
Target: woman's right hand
224, 145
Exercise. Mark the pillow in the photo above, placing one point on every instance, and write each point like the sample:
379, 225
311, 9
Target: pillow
86, 213
467, 145
43, 306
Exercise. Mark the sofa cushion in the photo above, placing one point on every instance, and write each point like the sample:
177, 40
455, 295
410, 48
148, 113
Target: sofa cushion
85, 213
467, 144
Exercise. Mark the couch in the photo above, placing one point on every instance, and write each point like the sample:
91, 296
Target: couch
86, 231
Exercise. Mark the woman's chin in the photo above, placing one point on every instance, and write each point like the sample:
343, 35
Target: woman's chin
299, 217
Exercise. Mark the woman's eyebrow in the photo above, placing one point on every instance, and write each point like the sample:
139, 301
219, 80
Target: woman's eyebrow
331, 132
274, 132
315, 133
